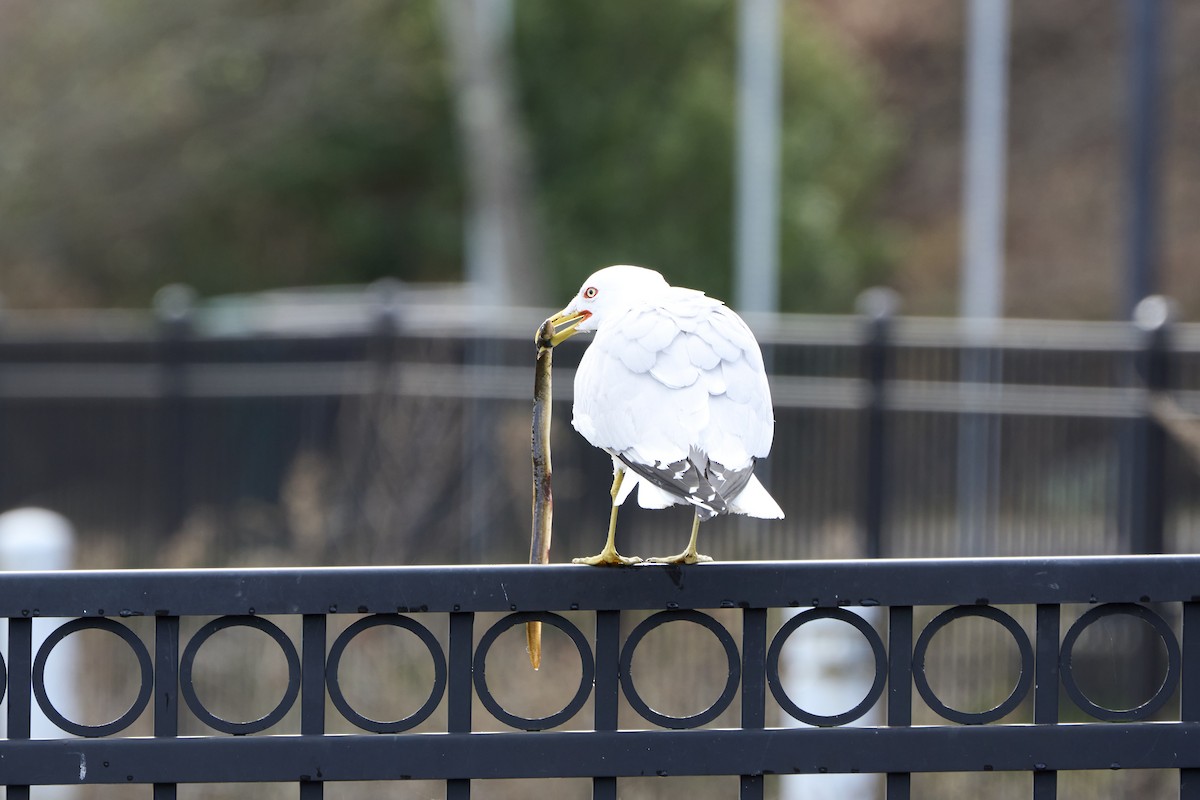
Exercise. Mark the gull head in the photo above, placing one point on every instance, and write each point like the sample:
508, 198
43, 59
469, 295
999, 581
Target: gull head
606, 294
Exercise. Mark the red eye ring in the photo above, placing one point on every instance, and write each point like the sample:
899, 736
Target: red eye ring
590, 292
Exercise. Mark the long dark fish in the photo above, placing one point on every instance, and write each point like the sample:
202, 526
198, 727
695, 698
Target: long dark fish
543, 497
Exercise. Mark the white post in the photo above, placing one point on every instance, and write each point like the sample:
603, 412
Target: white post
827, 668
34, 539
981, 294
756, 227
981, 298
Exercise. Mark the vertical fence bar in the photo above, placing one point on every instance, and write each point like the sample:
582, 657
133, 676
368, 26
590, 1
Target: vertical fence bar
607, 695
1147, 464
754, 688
1189, 695
899, 704
479, 457
4, 412
20, 692
1045, 698
381, 358
166, 688
460, 691
878, 305
173, 307
312, 700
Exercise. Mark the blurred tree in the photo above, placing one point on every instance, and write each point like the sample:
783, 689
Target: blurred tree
630, 106
234, 145
245, 144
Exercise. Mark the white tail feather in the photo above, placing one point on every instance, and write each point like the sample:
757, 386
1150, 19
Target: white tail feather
755, 501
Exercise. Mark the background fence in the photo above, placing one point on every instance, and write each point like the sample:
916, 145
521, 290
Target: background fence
393, 428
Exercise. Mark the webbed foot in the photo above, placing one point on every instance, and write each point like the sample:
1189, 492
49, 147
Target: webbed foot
607, 558
686, 557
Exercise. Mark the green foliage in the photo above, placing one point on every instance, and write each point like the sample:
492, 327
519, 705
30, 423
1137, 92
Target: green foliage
231, 145
243, 144
363, 184
837, 147
631, 110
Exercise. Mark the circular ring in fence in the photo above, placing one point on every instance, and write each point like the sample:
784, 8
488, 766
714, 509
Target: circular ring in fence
1024, 680
145, 667
877, 649
335, 688
587, 669
731, 684
1170, 680
188, 689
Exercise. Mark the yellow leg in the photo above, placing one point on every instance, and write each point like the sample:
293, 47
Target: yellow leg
609, 557
689, 555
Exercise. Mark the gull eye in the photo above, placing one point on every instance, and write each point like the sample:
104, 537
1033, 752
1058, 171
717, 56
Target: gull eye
590, 292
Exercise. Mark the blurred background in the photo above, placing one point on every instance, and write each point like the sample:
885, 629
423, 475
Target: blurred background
361, 212
270, 271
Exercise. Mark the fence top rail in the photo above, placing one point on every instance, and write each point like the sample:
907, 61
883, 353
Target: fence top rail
438, 320
505, 588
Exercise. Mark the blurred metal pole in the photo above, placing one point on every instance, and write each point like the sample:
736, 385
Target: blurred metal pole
485, 249
756, 202
1141, 280
501, 247
1141, 270
502, 252
981, 300
984, 165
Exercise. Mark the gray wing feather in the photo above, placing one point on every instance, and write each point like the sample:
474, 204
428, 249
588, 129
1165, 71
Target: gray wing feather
703, 483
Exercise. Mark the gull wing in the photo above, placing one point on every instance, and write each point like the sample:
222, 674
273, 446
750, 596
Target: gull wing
677, 391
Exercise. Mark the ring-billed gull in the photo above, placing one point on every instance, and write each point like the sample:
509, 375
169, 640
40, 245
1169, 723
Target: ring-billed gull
674, 389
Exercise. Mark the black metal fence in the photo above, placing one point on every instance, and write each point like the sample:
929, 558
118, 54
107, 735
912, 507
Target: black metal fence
394, 437
447, 611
